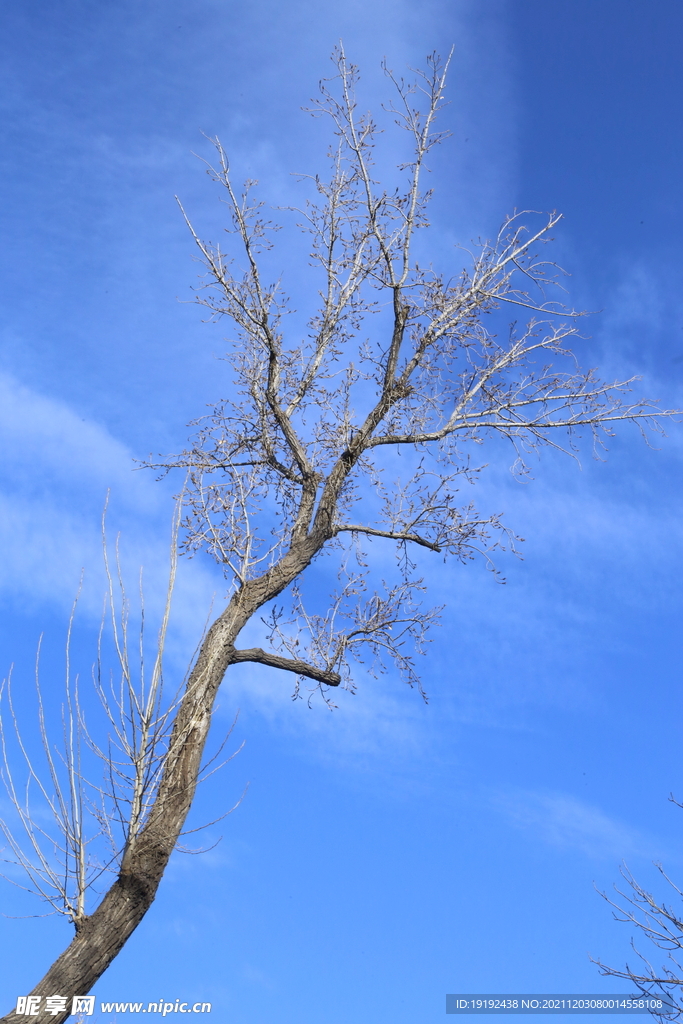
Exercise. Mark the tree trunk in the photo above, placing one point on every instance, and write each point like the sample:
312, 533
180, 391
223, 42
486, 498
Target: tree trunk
102, 935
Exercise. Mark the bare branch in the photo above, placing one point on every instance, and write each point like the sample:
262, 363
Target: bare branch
662, 926
300, 668
369, 531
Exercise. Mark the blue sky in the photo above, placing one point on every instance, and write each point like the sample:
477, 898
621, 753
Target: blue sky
389, 852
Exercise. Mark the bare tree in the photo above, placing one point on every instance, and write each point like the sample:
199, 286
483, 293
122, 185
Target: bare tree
303, 457
661, 925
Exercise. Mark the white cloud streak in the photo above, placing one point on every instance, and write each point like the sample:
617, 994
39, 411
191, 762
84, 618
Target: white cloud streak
57, 470
564, 821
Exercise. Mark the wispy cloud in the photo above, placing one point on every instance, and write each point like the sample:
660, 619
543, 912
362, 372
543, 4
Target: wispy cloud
57, 470
44, 440
562, 820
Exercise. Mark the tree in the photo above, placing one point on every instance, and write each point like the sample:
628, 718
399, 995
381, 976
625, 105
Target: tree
334, 443
661, 925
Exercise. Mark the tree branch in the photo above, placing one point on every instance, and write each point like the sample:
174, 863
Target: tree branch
390, 534
301, 668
